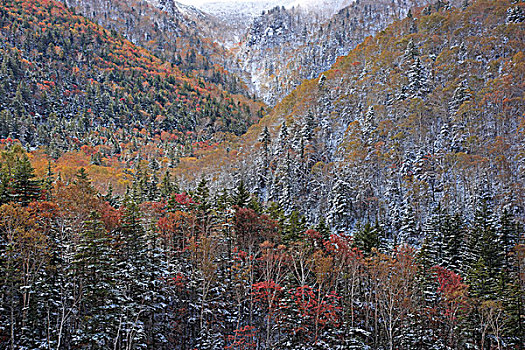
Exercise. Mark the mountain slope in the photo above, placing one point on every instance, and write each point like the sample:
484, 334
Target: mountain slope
429, 111
236, 17
284, 46
180, 34
66, 82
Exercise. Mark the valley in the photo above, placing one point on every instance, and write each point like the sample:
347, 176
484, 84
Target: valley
272, 174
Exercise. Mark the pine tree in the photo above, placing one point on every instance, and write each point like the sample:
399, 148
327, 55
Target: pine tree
295, 227
369, 123
508, 234
133, 291
512, 298
242, 196
96, 273
307, 131
461, 94
484, 254
202, 195
265, 140
323, 228
204, 209
417, 80
368, 238
223, 200
453, 232
264, 165
168, 186
283, 137
409, 231
340, 212
153, 188
481, 281
411, 52
24, 189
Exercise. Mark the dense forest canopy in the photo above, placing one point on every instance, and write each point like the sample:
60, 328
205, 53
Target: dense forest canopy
378, 206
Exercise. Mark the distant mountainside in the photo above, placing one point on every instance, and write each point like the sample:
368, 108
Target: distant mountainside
427, 112
236, 17
262, 48
180, 34
66, 82
284, 46
379, 205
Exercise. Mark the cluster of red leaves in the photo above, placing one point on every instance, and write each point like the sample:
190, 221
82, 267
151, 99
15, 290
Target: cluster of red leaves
243, 339
313, 305
241, 255
183, 199
264, 291
342, 246
453, 290
252, 228
179, 281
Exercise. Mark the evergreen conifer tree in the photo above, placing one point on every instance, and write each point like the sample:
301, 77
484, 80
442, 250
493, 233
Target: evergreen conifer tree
242, 196
417, 80
295, 227
323, 229
24, 188
368, 238
96, 273
340, 212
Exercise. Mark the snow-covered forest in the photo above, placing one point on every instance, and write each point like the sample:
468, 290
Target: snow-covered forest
150, 199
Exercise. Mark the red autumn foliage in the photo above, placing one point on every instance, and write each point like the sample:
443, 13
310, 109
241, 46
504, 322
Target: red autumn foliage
252, 228
453, 290
316, 307
243, 339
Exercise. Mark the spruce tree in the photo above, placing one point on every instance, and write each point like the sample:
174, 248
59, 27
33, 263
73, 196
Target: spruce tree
168, 186
508, 234
417, 80
204, 208
411, 51
97, 274
295, 227
133, 291
340, 214
323, 229
24, 188
409, 231
283, 137
242, 196
453, 229
368, 238
461, 94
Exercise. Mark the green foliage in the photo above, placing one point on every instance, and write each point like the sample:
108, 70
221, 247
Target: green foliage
242, 196
294, 228
63, 75
17, 177
368, 238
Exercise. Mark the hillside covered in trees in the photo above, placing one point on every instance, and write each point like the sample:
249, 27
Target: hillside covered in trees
378, 206
428, 112
67, 82
177, 33
162, 268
